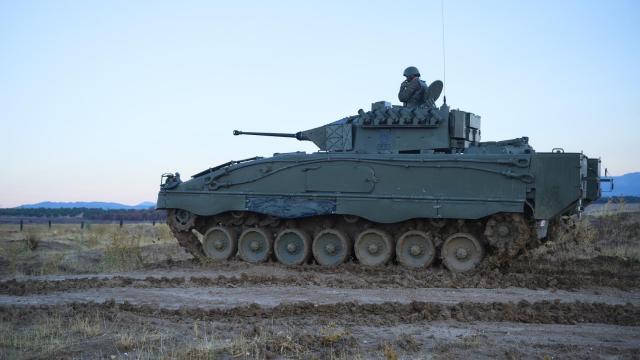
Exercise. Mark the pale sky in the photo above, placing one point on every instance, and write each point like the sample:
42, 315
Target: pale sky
99, 98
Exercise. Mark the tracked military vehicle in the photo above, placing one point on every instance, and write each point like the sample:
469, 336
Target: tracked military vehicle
408, 185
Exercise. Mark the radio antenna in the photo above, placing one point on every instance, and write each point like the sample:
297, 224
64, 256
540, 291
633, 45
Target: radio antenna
444, 59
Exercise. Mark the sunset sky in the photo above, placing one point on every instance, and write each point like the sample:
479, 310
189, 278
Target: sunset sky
99, 98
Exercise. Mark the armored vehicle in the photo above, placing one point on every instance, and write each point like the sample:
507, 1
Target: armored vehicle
407, 185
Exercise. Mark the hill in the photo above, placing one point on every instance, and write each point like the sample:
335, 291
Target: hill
625, 185
88, 205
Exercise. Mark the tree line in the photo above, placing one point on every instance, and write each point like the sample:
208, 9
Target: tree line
89, 213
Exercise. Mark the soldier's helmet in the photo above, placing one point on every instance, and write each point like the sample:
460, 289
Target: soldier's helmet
411, 71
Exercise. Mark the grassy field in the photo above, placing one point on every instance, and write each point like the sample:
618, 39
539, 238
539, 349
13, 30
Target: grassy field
68, 249
607, 243
610, 233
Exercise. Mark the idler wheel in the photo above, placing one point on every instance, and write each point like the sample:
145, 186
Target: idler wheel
415, 249
255, 245
292, 247
374, 247
182, 220
220, 243
462, 252
331, 247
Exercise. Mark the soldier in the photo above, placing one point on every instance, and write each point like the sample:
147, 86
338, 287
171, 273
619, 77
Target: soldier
412, 90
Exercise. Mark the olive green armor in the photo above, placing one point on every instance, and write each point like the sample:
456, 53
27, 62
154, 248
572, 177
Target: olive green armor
412, 185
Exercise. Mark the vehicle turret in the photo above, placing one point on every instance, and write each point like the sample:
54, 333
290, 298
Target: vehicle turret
394, 129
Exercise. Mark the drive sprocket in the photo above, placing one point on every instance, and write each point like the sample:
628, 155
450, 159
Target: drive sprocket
508, 234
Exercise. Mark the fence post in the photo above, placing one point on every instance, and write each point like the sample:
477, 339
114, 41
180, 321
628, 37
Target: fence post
120, 223
82, 225
154, 223
49, 224
21, 225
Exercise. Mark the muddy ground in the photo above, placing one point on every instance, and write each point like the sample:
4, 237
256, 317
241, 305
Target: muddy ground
113, 293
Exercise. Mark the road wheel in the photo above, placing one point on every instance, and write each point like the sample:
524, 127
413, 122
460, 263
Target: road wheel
331, 247
374, 247
415, 249
462, 252
292, 247
220, 243
255, 245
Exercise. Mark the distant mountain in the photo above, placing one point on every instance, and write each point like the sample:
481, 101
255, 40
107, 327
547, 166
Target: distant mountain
88, 204
145, 205
625, 185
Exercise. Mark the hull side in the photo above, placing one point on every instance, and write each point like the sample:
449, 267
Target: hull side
378, 188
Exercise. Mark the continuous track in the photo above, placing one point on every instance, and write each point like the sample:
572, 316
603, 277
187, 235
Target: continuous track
460, 245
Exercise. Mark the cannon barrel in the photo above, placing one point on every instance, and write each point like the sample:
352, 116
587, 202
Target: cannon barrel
289, 135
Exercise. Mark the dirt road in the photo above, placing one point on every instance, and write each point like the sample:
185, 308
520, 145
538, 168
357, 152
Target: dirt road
270, 311
271, 296
142, 297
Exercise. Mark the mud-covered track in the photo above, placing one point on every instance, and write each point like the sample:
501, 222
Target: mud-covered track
330, 240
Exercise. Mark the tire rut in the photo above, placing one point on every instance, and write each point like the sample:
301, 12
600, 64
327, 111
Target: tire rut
352, 313
353, 280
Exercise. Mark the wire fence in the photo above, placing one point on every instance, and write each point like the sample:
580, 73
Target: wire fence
22, 221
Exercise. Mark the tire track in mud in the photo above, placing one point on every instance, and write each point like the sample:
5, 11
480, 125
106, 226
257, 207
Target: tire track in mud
372, 278
353, 313
269, 296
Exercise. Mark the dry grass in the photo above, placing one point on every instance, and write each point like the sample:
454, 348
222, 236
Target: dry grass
612, 234
264, 343
619, 234
52, 264
471, 341
32, 239
207, 342
462, 345
123, 253
126, 342
12, 252
49, 335
96, 335
66, 248
332, 334
88, 326
389, 352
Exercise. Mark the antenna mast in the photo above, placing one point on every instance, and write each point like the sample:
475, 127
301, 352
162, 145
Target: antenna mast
444, 62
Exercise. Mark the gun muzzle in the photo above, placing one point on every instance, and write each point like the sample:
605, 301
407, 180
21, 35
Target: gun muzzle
238, 132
